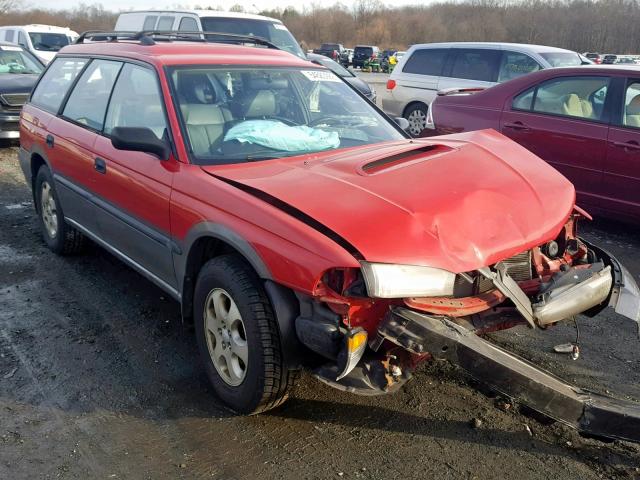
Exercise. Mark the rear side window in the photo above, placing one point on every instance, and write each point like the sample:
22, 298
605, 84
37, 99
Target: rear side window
516, 64
188, 24
55, 83
88, 101
428, 61
149, 22
478, 64
165, 23
578, 97
524, 100
22, 38
136, 101
9, 36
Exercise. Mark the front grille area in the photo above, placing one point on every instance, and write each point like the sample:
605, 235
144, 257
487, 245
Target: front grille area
14, 99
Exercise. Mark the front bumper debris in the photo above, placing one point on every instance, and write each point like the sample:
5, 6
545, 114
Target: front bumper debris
605, 283
588, 412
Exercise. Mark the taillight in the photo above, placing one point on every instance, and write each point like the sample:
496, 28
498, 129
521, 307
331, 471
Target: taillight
391, 84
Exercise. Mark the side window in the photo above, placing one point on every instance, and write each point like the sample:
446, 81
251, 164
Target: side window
188, 24
516, 64
524, 100
479, 64
22, 38
427, 61
580, 97
87, 103
631, 117
136, 101
149, 22
165, 24
8, 37
55, 83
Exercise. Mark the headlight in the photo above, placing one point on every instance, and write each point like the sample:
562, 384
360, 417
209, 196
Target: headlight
386, 280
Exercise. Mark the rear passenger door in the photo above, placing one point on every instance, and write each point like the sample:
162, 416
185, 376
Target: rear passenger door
471, 67
135, 187
622, 167
565, 121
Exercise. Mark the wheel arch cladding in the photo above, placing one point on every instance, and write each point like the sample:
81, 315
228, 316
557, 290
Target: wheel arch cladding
412, 103
208, 240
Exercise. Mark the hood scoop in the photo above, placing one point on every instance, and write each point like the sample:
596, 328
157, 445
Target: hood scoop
402, 159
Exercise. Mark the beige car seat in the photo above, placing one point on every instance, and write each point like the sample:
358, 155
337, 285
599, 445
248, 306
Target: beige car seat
574, 106
632, 113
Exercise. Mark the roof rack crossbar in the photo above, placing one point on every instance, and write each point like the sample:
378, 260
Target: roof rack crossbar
149, 37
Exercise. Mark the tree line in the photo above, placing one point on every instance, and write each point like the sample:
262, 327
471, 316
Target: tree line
606, 26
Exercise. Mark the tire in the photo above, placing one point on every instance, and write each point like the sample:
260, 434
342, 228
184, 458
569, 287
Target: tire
60, 237
416, 114
254, 343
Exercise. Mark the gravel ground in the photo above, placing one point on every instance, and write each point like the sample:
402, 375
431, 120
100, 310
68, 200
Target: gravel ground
99, 379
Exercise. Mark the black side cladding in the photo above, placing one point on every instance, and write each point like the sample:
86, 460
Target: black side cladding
294, 212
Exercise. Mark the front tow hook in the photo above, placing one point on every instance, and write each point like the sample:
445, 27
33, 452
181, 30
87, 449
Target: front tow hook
590, 413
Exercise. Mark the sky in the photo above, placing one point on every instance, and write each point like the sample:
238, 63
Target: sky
250, 6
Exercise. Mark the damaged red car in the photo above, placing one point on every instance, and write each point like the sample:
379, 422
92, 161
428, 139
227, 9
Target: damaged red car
299, 227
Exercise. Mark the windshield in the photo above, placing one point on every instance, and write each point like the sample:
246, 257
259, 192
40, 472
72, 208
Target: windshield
48, 42
234, 115
562, 59
335, 67
15, 60
274, 32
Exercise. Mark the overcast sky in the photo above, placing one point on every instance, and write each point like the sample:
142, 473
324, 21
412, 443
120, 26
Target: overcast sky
247, 4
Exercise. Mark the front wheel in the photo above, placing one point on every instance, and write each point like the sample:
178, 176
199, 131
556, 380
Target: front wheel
416, 114
238, 337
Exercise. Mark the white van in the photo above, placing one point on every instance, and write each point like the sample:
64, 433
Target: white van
428, 68
271, 29
41, 40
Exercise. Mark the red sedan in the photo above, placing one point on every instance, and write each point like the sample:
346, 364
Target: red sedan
584, 121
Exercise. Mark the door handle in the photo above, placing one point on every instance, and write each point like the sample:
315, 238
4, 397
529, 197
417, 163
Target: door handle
49, 140
100, 165
632, 145
516, 126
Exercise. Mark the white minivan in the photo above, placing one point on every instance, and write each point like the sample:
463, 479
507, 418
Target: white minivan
429, 68
43, 41
270, 29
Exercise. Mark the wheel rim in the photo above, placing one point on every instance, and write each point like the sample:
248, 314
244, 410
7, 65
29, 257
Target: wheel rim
49, 210
226, 337
417, 121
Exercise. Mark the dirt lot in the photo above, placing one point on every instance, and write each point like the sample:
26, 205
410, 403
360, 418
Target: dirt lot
98, 379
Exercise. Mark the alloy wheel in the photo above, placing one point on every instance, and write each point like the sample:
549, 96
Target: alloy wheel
49, 210
417, 122
226, 337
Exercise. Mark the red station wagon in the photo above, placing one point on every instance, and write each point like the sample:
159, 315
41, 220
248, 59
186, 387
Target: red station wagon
300, 227
585, 121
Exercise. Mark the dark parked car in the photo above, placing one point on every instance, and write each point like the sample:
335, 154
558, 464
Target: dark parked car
333, 51
609, 59
347, 75
585, 121
362, 53
19, 71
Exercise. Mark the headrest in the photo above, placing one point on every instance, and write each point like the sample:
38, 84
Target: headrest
195, 87
199, 114
634, 106
262, 105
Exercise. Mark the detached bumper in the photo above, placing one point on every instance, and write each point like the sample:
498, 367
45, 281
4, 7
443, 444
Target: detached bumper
588, 412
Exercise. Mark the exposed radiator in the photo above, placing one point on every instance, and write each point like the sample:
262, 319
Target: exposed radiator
519, 266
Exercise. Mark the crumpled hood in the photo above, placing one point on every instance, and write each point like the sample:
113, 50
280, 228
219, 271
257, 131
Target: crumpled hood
457, 202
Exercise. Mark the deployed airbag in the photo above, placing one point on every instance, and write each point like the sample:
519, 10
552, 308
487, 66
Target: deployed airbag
279, 136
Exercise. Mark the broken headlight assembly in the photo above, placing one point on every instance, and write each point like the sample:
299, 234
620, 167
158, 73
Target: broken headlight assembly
386, 280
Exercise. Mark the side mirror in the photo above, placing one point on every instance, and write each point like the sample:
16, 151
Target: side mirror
140, 139
402, 122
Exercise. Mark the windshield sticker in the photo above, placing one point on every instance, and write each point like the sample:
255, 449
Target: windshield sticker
8, 48
320, 76
279, 26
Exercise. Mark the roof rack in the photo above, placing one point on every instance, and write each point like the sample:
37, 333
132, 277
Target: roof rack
151, 37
